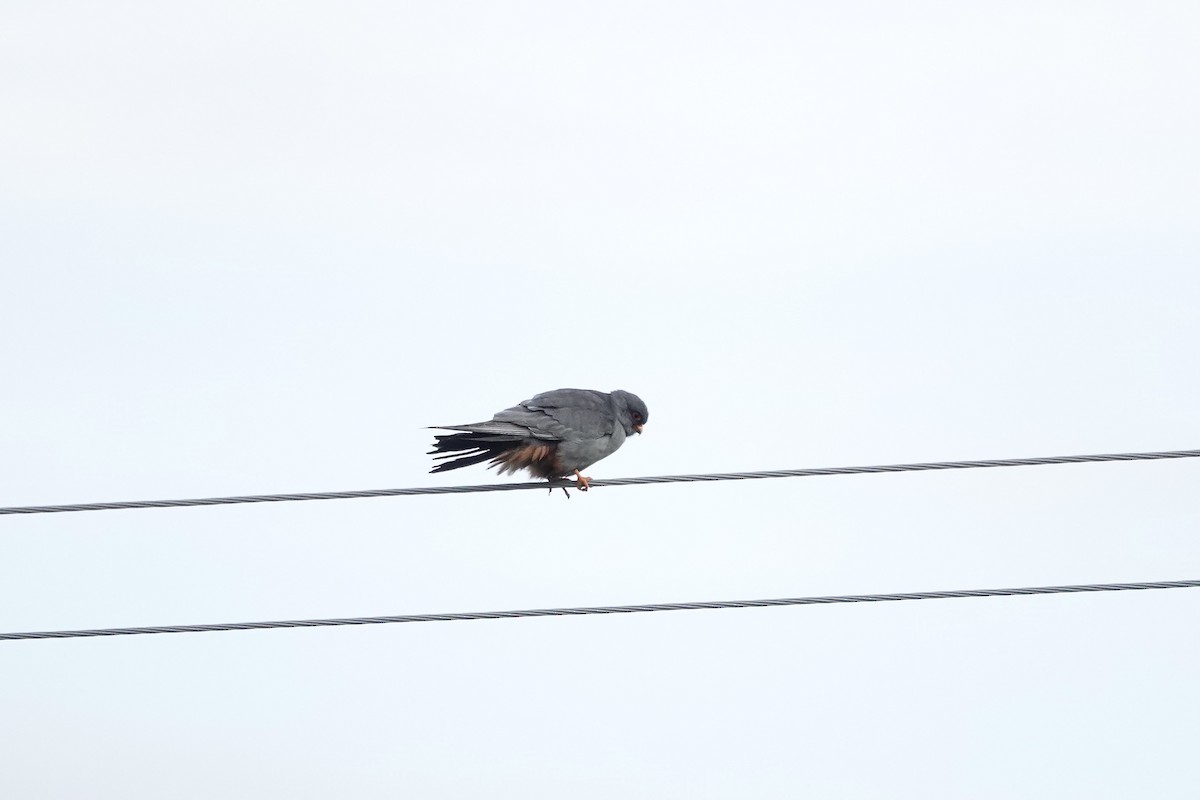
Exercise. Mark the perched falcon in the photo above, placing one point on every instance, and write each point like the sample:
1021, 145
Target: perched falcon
554, 435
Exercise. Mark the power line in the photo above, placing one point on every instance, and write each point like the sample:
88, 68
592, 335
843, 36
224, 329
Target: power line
590, 610
508, 487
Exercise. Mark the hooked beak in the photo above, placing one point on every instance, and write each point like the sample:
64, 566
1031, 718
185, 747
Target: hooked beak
638, 428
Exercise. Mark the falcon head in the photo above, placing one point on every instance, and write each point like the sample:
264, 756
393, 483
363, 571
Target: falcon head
631, 411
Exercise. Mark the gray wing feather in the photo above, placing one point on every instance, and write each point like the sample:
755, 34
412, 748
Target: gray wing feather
500, 428
575, 413
560, 415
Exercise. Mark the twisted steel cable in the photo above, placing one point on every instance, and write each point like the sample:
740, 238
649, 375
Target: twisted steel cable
509, 487
591, 610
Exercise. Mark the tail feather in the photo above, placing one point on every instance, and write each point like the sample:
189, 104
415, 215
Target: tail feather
459, 450
507, 451
464, 461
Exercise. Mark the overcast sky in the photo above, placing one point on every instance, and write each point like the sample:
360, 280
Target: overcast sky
255, 247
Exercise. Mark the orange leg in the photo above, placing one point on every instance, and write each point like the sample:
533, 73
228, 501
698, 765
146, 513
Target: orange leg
581, 481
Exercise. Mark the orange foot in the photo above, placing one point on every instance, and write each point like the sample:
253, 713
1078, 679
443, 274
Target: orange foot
581, 482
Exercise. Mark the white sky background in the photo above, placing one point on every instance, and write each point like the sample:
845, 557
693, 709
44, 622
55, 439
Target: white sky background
256, 247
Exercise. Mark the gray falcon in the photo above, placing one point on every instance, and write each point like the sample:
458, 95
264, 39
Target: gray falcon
554, 435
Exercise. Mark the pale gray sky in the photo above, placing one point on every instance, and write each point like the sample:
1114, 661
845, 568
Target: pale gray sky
252, 247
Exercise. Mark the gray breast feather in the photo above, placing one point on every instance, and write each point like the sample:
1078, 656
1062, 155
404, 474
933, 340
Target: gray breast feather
582, 453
